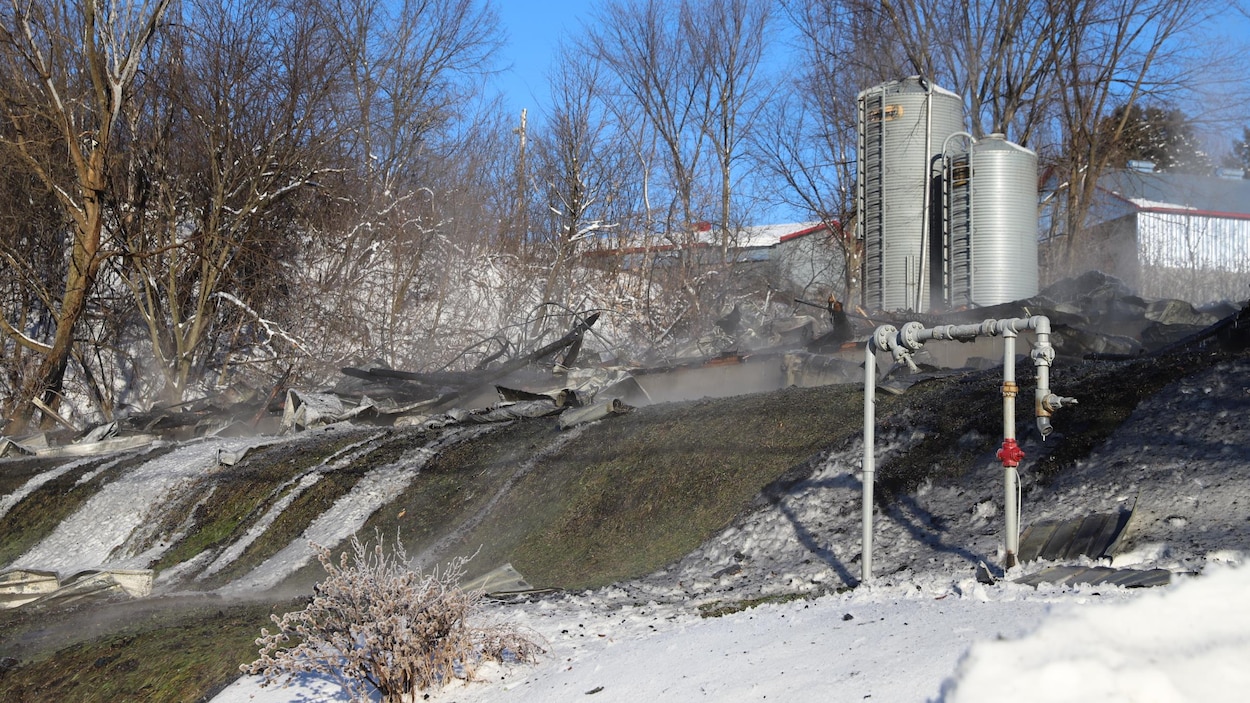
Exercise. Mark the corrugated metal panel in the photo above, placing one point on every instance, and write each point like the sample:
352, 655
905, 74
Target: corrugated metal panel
1196, 258
1090, 535
1194, 242
1098, 576
1004, 222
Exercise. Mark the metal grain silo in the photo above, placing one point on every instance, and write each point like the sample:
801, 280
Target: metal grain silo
902, 125
990, 209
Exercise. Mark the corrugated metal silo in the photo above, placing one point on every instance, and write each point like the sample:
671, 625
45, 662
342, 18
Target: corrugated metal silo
899, 137
991, 223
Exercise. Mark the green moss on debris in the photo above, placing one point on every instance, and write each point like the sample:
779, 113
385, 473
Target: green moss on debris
633, 493
460, 482
144, 651
241, 493
317, 499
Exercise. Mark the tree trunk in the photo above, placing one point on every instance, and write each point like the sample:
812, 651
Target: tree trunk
48, 380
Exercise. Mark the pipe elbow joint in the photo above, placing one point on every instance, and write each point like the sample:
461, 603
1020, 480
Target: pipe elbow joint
1044, 427
1047, 404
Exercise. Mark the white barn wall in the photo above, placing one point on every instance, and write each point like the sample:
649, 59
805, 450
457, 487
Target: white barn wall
1198, 258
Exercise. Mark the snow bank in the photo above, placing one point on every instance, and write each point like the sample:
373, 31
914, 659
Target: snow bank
1188, 643
892, 643
893, 646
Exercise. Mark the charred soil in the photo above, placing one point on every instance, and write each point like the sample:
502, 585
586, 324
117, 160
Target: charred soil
574, 509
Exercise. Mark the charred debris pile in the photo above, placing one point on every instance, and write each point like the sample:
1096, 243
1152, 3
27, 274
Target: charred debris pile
1094, 316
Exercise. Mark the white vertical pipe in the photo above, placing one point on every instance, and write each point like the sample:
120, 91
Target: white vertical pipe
1011, 513
1009, 384
1043, 355
869, 467
925, 234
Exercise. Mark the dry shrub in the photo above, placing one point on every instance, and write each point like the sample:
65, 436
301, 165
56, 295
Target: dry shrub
375, 624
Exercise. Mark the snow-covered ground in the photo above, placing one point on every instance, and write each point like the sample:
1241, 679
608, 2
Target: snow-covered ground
923, 641
927, 630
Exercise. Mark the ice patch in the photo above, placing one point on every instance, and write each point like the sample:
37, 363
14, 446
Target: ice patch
89, 538
302, 483
34, 482
374, 490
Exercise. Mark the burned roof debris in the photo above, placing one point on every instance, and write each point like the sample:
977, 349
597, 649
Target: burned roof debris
1094, 316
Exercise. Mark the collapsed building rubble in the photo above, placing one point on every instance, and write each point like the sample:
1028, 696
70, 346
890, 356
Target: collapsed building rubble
1088, 313
1094, 316
35, 588
41, 444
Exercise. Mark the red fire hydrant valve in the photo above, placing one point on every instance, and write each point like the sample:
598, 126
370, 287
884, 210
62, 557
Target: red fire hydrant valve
1011, 454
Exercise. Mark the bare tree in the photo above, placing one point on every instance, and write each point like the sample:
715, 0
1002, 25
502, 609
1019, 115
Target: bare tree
659, 93
658, 75
32, 235
576, 168
411, 79
806, 143
409, 69
997, 55
238, 129
689, 73
67, 72
1108, 55
730, 37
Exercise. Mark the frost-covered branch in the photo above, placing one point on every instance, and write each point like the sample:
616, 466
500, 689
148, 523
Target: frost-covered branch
272, 328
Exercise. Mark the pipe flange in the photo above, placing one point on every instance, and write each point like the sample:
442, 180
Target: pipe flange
1043, 355
909, 336
883, 338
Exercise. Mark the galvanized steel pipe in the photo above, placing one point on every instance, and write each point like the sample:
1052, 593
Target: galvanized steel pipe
905, 342
879, 340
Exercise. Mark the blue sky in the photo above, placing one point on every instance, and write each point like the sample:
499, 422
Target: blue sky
534, 29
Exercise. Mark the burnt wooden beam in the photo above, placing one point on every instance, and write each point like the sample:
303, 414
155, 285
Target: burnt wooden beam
433, 382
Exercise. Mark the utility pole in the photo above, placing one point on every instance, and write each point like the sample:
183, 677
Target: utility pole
521, 211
